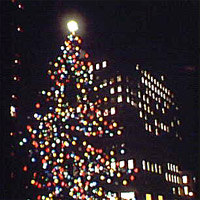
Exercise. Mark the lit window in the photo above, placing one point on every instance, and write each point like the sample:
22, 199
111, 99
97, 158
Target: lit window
186, 192
164, 96
152, 167
104, 64
150, 93
174, 168
148, 109
160, 169
157, 106
179, 190
146, 126
171, 167
144, 165
160, 197
119, 99
131, 164
113, 110
112, 90
185, 179
119, 78
142, 79
175, 179
112, 81
156, 168
97, 66
133, 103
162, 126
172, 177
119, 88
150, 129
91, 76
141, 114
127, 195
169, 177
174, 190
143, 97
121, 163
177, 169
148, 166
13, 112
132, 93
149, 197
140, 105
145, 107
128, 99
166, 176
127, 89
139, 94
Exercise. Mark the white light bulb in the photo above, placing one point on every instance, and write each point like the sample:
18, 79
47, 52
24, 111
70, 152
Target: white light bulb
72, 26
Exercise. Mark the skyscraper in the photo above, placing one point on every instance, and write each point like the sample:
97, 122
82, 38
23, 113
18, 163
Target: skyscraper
148, 110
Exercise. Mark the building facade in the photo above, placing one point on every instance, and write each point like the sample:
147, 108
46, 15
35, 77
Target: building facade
148, 110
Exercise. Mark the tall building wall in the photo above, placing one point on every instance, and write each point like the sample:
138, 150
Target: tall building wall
149, 115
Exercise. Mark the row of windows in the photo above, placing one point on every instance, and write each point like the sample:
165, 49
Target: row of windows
150, 197
148, 93
155, 81
145, 107
98, 67
143, 114
182, 191
172, 178
120, 99
157, 107
172, 167
149, 127
111, 111
157, 88
130, 164
120, 89
151, 167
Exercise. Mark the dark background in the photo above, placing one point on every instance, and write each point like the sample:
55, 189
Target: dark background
159, 35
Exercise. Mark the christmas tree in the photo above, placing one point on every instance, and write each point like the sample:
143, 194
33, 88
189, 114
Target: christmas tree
72, 135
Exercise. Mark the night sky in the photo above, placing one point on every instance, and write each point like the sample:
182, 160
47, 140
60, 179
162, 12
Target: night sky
159, 35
